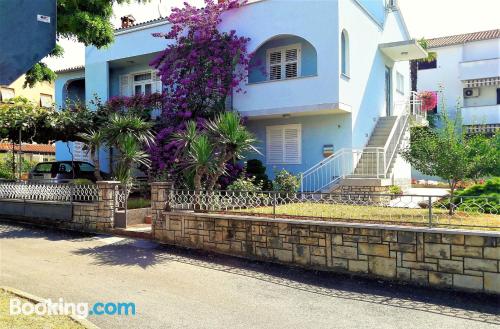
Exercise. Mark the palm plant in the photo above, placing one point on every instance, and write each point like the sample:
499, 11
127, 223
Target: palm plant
130, 153
201, 159
207, 151
233, 140
93, 140
129, 134
120, 126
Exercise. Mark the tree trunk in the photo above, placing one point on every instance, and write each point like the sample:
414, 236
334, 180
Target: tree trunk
197, 190
97, 168
452, 184
220, 169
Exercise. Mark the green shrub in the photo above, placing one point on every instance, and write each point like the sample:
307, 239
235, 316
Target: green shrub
487, 197
245, 184
255, 168
82, 181
286, 182
394, 189
491, 187
137, 203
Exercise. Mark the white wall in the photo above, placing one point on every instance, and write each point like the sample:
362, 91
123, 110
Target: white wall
364, 89
479, 50
448, 73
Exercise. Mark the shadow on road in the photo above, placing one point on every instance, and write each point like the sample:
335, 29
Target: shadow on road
132, 252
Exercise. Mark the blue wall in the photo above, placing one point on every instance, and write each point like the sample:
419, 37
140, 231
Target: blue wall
317, 131
309, 60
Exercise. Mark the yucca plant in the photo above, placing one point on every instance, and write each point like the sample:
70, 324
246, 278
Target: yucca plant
201, 159
120, 126
207, 149
129, 134
233, 141
93, 140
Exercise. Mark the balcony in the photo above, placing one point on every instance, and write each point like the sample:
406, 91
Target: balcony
479, 115
479, 69
298, 96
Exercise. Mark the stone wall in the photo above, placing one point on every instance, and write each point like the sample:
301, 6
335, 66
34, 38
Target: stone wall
462, 260
81, 216
98, 216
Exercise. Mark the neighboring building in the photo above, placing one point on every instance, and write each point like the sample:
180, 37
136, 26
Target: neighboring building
30, 152
336, 81
42, 93
467, 68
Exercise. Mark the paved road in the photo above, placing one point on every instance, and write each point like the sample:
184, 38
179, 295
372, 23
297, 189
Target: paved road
176, 288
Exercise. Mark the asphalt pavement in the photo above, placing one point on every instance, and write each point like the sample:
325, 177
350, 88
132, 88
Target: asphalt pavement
178, 288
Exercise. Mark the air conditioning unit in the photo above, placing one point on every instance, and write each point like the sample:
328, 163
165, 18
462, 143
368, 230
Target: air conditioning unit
471, 92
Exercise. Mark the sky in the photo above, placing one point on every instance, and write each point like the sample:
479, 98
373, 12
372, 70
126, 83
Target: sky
424, 18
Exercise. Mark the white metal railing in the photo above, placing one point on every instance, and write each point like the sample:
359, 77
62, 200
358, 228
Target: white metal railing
328, 172
369, 162
415, 107
48, 191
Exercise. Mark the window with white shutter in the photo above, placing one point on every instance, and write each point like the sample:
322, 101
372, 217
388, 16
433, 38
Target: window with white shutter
125, 85
283, 144
291, 63
157, 85
283, 63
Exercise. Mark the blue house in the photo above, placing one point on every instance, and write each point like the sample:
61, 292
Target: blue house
333, 103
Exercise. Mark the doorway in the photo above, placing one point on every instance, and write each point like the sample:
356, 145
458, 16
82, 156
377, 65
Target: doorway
388, 91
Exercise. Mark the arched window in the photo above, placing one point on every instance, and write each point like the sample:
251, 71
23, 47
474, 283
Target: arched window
344, 53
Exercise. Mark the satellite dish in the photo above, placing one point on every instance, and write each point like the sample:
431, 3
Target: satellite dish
162, 9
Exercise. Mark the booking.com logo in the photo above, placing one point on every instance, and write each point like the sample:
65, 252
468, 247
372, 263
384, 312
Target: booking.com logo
83, 310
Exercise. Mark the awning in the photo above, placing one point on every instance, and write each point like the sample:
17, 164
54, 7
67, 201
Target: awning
482, 82
403, 50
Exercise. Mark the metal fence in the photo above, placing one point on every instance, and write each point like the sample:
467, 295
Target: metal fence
49, 192
417, 210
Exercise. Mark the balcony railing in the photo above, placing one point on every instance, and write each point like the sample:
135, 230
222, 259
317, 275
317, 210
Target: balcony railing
481, 115
479, 69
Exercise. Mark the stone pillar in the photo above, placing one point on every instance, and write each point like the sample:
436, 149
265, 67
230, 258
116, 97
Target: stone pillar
106, 205
159, 192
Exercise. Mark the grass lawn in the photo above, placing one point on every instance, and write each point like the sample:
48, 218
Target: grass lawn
32, 321
135, 203
391, 215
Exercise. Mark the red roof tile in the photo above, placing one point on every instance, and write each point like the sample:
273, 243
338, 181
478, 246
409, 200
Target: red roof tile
30, 148
463, 38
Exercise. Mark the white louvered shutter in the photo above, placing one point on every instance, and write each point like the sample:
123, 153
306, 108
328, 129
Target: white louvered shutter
291, 63
275, 59
157, 85
125, 85
274, 145
291, 144
283, 144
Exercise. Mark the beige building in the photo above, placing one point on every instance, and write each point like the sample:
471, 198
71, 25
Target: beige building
41, 93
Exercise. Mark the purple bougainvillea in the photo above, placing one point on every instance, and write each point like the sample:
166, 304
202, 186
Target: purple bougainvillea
201, 68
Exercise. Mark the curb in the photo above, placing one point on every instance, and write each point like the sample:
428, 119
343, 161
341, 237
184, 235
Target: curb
35, 299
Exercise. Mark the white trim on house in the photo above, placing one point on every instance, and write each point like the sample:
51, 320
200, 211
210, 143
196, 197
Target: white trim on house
284, 144
128, 84
284, 63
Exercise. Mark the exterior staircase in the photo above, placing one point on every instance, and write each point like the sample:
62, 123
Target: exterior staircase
371, 162
372, 165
